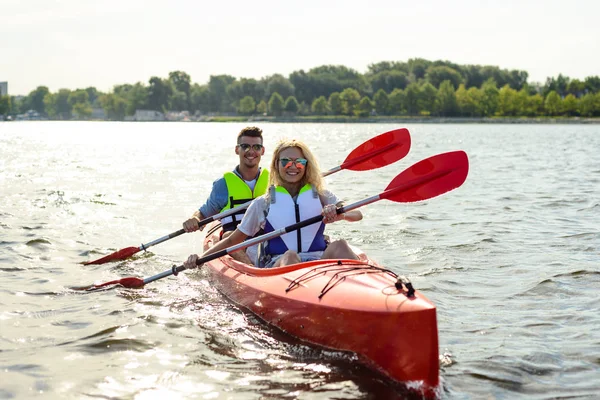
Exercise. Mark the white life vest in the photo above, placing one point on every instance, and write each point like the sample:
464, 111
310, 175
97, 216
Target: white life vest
284, 211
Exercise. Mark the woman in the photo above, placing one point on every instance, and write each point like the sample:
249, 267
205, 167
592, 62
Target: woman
296, 194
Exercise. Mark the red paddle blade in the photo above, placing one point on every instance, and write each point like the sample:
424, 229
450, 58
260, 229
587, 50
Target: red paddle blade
130, 282
118, 255
379, 151
428, 178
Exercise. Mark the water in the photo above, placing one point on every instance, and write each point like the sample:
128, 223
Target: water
511, 259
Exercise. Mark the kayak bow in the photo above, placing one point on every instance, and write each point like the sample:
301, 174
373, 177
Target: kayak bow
346, 305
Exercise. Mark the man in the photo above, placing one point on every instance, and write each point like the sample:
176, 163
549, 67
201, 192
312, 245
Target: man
246, 182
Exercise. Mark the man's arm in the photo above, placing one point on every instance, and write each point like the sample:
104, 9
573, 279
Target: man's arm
216, 201
191, 224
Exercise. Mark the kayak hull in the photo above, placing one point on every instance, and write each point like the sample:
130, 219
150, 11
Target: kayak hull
345, 305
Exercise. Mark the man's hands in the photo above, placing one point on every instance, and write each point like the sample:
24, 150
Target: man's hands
190, 263
191, 225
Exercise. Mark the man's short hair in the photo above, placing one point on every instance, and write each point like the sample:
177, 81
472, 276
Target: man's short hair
250, 131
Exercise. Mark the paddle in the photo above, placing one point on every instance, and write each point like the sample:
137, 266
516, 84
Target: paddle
376, 152
426, 179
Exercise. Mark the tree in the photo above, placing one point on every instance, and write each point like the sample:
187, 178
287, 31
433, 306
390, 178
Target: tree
320, 106
93, 95
247, 106
388, 66
473, 76
335, 103
5, 105
426, 98
36, 99
418, 67
350, 99
114, 106
364, 107
182, 83
445, 101
57, 104
396, 102
508, 102
179, 101
388, 81
589, 105
159, 94
279, 84
325, 80
552, 104
80, 104
276, 104
304, 109
558, 84
576, 88
411, 98
570, 106
437, 74
291, 105
137, 98
200, 98
218, 100
382, 102
534, 105
518, 79
515, 79
261, 108
239, 89
592, 84
489, 98
466, 103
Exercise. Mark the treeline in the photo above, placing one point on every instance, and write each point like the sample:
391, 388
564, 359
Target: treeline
417, 87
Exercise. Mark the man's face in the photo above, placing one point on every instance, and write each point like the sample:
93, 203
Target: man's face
247, 150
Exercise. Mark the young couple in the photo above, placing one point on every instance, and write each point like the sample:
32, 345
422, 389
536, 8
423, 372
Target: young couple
295, 192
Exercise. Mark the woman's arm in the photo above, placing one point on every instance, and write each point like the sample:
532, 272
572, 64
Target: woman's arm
236, 237
352, 216
330, 214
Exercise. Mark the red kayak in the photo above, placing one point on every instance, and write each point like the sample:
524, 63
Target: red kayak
346, 305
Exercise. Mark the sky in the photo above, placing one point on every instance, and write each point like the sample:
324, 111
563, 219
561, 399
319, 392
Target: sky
81, 43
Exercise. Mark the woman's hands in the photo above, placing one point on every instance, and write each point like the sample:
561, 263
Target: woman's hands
330, 214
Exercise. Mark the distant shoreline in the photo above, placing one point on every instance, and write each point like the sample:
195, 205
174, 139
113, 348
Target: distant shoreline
412, 120
367, 120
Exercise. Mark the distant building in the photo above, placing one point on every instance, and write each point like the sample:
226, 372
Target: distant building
3, 88
148, 115
30, 115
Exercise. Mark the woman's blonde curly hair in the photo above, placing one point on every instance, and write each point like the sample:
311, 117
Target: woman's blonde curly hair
313, 172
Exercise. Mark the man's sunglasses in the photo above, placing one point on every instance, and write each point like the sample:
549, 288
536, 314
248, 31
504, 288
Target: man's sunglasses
246, 146
299, 162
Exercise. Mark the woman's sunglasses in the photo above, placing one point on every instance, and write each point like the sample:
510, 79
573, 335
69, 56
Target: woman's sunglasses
246, 146
299, 162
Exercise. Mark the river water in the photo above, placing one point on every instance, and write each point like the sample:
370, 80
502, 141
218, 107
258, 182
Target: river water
511, 259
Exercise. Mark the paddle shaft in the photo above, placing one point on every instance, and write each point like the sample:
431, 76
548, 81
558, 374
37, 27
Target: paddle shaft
299, 225
347, 164
201, 223
426, 179
376, 152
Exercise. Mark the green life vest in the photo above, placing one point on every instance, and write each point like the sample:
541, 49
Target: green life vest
239, 193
